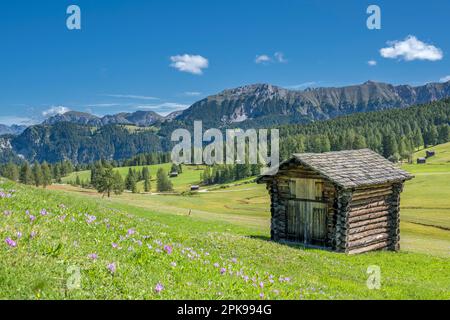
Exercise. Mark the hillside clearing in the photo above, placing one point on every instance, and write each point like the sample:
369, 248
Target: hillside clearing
189, 257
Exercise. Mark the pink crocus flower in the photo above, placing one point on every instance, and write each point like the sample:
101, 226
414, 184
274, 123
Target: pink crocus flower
159, 287
168, 249
112, 267
93, 256
10, 242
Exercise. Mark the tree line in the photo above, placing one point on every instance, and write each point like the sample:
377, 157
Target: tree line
395, 134
36, 174
224, 173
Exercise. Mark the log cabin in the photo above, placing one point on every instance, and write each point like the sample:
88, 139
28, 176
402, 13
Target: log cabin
344, 201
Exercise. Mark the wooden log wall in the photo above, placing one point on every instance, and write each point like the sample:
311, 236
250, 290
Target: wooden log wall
342, 204
394, 214
372, 219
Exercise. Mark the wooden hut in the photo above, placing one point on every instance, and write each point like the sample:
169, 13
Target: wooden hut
346, 201
421, 160
430, 153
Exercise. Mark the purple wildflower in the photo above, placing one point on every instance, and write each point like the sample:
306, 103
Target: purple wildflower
223, 270
112, 267
159, 287
168, 249
32, 218
114, 245
33, 234
261, 284
27, 212
10, 242
216, 265
91, 219
93, 256
261, 295
131, 232
19, 234
44, 212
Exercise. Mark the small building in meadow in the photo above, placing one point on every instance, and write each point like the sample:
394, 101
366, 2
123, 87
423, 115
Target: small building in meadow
430, 153
345, 201
421, 160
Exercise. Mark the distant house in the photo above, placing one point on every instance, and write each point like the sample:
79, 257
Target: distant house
346, 201
195, 188
421, 160
173, 174
430, 153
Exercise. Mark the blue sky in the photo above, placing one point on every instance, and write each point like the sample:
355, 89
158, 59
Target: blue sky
165, 55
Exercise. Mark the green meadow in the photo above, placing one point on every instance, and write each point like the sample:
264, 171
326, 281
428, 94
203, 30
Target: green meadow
190, 175
213, 244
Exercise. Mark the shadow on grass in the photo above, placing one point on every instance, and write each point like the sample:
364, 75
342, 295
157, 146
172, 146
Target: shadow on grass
291, 244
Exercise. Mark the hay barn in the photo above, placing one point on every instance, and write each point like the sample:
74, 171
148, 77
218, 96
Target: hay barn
346, 201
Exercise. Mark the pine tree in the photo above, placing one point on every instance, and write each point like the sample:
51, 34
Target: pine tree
162, 181
146, 177
37, 174
130, 180
389, 145
11, 172
109, 181
46, 175
26, 176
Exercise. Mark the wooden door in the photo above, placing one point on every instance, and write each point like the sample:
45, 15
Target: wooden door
307, 213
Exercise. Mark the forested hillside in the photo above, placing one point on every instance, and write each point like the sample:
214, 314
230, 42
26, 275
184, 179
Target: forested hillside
393, 133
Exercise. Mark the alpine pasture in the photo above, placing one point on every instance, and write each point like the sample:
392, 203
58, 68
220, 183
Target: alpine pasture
70, 243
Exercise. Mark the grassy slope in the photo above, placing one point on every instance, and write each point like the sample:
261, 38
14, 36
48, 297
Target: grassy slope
37, 267
190, 175
229, 222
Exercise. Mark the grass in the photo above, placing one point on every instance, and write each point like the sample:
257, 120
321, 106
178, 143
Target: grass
442, 154
208, 260
190, 175
227, 226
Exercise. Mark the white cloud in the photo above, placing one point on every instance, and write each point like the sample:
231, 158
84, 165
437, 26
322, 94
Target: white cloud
264, 58
163, 108
189, 63
130, 96
445, 79
192, 93
372, 63
279, 56
54, 111
411, 49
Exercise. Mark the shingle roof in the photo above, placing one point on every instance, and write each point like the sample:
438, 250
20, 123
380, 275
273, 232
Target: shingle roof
353, 168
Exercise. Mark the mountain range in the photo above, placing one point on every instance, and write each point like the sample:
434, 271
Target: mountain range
258, 105
138, 118
265, 103
14, 129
